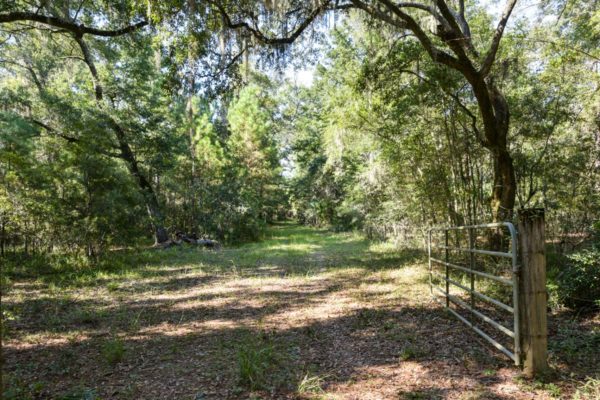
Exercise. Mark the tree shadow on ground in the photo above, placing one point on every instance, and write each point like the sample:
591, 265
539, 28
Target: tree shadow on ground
394, 350
410, 348
327, 313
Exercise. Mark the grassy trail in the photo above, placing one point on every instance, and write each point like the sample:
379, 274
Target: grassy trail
304, 314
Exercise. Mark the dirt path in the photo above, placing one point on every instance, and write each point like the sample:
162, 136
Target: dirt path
306, 314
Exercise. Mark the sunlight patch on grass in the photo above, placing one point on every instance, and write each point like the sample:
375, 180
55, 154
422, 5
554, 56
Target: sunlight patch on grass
382, 247
410, 273
292, 247
45, 339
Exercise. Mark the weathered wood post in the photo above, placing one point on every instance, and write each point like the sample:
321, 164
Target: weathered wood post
532, 291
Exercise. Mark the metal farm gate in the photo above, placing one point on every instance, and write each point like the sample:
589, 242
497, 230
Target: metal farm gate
470, 264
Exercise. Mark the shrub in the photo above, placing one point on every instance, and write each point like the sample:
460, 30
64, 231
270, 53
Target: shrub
578, 283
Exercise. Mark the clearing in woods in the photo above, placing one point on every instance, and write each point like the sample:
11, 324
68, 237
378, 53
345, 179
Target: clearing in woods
304, 314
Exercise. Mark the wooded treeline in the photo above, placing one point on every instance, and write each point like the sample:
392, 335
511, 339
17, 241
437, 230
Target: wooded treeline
122, 120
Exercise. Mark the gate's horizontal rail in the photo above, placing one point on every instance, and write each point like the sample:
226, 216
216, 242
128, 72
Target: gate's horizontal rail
476, 293
484, 317
476, 251
469, 270
484, 335
457, 302
463, 228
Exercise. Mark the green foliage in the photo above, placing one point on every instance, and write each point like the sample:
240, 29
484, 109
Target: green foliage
231, 187
385, 138
577, 282
67, 183
409, 353
254, 153
16, 389
541, 384
432, 394
573, 344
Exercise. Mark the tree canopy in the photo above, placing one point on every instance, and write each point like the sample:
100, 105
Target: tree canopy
127, 117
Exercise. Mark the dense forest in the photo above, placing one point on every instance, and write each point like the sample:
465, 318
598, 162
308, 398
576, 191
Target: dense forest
127, 125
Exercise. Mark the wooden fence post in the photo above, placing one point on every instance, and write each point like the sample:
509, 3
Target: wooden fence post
532, 291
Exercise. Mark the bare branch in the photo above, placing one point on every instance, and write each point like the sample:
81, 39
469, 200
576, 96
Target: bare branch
458, 29
490, 56
28, 68
417, 6
565, 46
373, 11
231, 62
87, 58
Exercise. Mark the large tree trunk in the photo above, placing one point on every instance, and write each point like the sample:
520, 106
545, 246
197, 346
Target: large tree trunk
504, 191
496, 116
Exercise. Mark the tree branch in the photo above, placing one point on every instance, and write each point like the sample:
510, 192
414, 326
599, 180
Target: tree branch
226, 66
87, 58
31, 71
267, 39
379, 14
418, 6
53, 131
491, 54
459, 37
77, 29
435, 53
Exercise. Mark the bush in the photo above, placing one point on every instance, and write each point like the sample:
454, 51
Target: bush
577, 285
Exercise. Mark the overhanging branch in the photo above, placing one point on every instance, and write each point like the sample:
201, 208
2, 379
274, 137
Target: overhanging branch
77, 29
261, 36
435, 53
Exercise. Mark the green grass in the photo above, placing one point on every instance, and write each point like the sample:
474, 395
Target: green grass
113, 351
427, 394
410, 353
293, 250
257, 359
